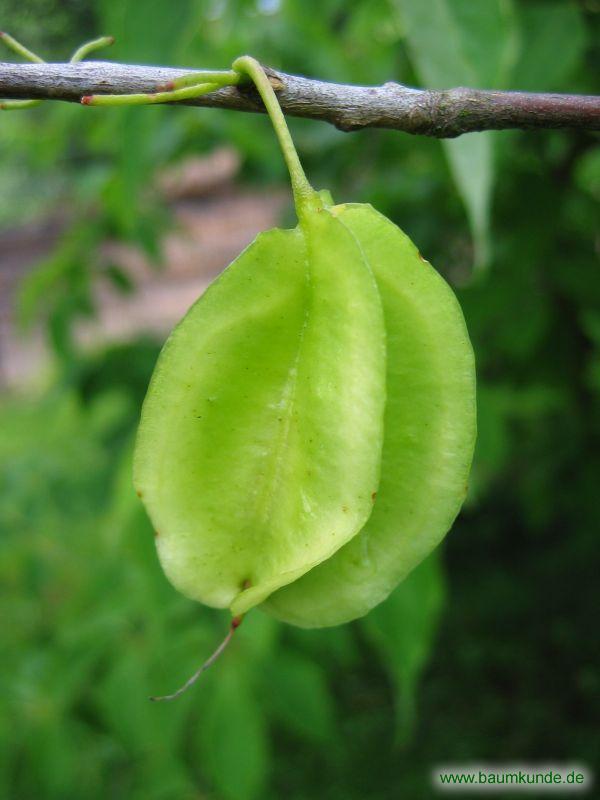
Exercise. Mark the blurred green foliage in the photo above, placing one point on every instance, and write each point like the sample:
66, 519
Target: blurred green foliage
489, 658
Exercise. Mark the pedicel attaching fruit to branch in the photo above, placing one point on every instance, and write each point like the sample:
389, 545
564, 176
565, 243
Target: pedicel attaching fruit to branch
308, 431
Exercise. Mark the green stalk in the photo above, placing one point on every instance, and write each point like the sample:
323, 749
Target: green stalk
225, 77
19, 49
305, 196
143, 99
90, 47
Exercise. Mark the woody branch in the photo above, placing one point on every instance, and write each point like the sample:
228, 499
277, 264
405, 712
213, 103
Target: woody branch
443, 114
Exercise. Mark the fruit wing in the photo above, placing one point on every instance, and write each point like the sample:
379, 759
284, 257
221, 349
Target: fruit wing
429, 434
327, 465
241, 430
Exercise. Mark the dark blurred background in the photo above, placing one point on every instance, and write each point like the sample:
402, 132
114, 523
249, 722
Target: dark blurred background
112, 221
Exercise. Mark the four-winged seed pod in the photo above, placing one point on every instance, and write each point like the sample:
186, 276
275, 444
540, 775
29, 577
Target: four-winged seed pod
308, 431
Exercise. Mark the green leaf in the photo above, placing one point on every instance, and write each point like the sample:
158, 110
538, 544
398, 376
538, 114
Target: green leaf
122, 700
471, 163
257, 637
587, 173
493, 442
298, 697
402, 631
233, 737
146, 32
548, 29
461, 43
60, 280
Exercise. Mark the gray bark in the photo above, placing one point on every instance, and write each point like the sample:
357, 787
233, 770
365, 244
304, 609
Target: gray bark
442, 114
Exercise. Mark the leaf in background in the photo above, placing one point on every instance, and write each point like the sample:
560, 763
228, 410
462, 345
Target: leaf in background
60, 284
122, 702
492, 450
233, 737
549, 29
298, 697
587, 173
471, 163
402, 630
147, 32
331, 645
258, 638
461, 43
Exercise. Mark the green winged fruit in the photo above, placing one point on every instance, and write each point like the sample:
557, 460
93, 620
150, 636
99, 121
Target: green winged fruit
259, 447
308, 431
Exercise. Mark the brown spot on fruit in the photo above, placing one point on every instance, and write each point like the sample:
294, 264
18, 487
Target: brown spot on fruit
345, 509
139, 494
373, 496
